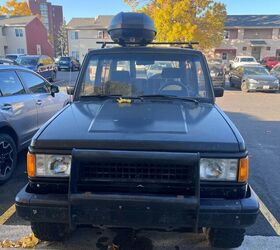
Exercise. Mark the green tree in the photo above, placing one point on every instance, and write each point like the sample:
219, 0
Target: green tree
186, 20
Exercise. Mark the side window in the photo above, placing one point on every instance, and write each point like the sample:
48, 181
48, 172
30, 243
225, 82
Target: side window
34, 83
10, 84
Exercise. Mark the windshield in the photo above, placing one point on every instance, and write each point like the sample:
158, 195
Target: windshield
12, 57
138, 74
256, 71
247, 59
64, 59
27, 61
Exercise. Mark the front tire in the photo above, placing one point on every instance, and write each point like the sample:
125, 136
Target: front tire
225, 238
231, 83
50, 231
8, 157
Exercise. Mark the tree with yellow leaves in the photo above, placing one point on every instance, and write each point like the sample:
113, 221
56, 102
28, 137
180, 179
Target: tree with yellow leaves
186, 20
15, 8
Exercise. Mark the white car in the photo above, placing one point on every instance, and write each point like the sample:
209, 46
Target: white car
243, 60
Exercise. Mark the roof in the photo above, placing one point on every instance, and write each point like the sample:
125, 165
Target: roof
16, 20
252, 21
100, 22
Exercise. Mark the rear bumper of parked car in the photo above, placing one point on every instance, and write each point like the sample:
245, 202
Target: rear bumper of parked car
263, 87
137, 211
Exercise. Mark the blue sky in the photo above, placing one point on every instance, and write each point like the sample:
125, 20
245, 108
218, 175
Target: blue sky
92, 8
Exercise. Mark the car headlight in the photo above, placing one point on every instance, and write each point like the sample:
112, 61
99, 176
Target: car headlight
252, 81
218, 169
276, 81
43, 165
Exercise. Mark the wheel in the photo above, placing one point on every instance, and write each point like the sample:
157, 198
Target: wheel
8, 157
231, 83
224, 238
50, 231
53, 76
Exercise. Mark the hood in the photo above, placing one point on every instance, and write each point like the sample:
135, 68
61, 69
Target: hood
269, 78
148, 125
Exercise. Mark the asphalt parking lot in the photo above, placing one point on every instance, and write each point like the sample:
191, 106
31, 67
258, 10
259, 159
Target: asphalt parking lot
256, 115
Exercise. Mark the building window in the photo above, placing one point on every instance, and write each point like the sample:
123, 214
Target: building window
268, 48
19, 32
20, 51
44, 15
258, 33
224, 56
244, 48
74, 35
100, 34
76, 54
226, 34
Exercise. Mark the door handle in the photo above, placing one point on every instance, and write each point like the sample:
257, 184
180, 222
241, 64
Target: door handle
6, 106
39, 102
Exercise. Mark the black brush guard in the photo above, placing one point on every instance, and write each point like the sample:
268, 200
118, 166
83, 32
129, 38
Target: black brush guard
135, 189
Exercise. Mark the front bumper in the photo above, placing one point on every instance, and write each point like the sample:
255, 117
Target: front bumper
263, 87
137, 211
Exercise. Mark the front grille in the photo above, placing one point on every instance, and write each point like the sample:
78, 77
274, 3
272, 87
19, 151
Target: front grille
139, 172
136, 177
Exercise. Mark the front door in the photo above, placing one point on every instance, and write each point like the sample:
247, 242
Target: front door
256, 52
17, 107
47, 105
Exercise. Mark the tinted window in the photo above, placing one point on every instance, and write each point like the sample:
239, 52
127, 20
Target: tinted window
247, 59
10, 84
256, 71
34, 83
27, 61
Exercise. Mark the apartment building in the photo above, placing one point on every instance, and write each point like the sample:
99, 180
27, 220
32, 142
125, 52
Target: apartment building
254, 35
23, 35
83, 33
51, 16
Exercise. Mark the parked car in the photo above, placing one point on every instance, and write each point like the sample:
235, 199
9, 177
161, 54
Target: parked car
68, 63
253, 78
6, 61
132, 152
41, 64
276, 71
270, 62
27, 101
217, 74
14, 57
242, 60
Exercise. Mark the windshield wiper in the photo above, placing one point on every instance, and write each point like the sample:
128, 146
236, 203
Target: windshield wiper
187, 99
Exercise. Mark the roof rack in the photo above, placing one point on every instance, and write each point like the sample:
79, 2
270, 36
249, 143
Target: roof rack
188, 45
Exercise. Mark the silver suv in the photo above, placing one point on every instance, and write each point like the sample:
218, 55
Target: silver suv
27, 101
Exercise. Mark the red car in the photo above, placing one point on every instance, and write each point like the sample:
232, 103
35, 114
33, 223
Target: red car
270, 62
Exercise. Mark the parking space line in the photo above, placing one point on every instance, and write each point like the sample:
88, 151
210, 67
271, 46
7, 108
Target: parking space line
8, 214
269, 217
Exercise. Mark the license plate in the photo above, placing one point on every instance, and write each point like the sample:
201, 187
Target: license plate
266, 87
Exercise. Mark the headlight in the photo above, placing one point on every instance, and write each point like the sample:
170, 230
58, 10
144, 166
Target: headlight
218, 169
276, 81
42, 165
252, 81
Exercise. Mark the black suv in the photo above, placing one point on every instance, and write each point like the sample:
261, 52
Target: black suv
139, 150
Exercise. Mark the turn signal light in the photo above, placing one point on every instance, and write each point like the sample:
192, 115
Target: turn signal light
31, 165
243, 173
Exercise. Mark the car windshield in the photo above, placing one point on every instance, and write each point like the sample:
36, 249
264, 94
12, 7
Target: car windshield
247, 59
12, 57
27, 60
136, 74
256, 71
64, 59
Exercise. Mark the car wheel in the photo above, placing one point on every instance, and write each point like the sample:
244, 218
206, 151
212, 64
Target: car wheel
53, 77
8, 157
50, 231
224, 238
231, 83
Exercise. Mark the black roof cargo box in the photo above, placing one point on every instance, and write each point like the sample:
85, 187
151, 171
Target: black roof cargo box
130, 27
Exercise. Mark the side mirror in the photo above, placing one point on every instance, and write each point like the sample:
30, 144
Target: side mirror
54, 90
219, 92
70, 90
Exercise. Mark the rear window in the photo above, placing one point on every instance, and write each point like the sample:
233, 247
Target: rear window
248, 59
